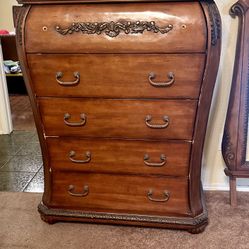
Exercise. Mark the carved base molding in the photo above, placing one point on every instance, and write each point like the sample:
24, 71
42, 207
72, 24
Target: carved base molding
192, 224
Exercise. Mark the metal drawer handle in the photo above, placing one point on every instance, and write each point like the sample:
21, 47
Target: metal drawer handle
165, 198
84, 193
171, 80
67, 116
59, 75
162, 157
72, 155
148, 118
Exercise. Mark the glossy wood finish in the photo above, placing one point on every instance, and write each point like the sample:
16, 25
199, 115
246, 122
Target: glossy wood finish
234, 144
20, 13
119, 156
208, 83
124, 76
89, 1
120, 193
113, 108
180, 39
118, 118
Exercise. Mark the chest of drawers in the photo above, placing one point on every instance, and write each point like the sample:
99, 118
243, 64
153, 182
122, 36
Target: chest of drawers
121, 92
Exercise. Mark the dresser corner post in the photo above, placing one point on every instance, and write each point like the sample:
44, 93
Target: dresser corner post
20, 15
213, 50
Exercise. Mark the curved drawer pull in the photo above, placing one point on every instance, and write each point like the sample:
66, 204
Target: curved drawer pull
171, 80
148, 118
84, 193
165, 198
72, 155
162, 157
67, 116
59, 75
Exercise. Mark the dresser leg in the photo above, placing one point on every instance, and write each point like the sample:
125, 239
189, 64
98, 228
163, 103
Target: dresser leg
48, 219
199, 229
233, 192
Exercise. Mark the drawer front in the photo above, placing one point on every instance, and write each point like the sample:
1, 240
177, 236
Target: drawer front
119, 156
118, 118
116, 28
127, 76
116, 193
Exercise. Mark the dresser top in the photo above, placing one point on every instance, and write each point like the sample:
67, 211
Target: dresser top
93, 1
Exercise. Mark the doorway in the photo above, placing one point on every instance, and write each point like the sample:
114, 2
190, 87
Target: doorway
21, 112
20, 154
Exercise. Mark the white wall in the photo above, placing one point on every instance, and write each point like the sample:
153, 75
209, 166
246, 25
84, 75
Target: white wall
5, 115
213, 166
6, 21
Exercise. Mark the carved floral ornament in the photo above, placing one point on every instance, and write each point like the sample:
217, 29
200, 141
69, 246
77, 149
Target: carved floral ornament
113, 29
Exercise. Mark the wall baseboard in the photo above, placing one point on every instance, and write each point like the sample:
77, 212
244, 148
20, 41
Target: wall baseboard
221, 187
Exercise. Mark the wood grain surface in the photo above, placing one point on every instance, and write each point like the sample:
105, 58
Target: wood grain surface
118, 118
117, 193
115, 97
120, 156
188, 33
124, 76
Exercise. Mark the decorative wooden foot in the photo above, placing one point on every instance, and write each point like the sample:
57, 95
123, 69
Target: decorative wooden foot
48, 219
233, 191
199, 229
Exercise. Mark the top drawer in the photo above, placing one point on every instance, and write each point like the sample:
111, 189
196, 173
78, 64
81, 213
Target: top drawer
116, 28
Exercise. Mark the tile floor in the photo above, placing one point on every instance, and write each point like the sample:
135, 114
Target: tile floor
20, 162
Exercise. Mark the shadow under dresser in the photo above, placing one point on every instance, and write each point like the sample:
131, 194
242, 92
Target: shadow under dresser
121, 92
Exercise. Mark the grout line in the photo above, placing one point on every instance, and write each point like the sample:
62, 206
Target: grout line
29, 182
11, 157
22, 146
17, 171
40, 168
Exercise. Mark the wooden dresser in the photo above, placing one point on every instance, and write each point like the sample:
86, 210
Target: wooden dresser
121, 92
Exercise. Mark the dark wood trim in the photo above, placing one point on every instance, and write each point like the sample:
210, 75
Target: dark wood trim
92, 1
242, 174
196, 220
235, 132
244, 85
209, 78
21, 15
195, 224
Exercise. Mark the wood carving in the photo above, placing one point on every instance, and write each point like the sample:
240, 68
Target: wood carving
113, 29
19, 13
215, 22
135, 218
234, 144
111, 136
228, 149
16, 12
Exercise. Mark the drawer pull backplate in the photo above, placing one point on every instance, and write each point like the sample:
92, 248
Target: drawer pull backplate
72, 155
165, 198
67, 116
148, 118
155, 164
76, 75
85, 191
168, 83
